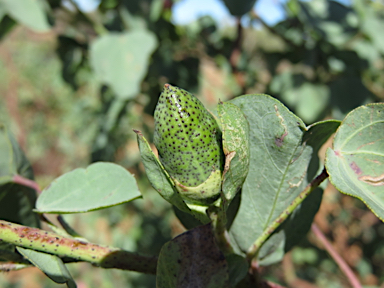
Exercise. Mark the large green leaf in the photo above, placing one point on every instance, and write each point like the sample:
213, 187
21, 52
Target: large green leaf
281, 149
192, 259
121, 59
28, 12
51, 265
356, 161
99, 186
278, 165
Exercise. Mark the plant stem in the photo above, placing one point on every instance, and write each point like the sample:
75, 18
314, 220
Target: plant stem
338, 259
219, 221
99, 255
18, 179
254, 249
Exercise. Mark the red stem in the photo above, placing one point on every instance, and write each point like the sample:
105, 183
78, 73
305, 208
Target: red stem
26, 182
338, 259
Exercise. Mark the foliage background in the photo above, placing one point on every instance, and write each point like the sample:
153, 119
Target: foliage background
322, 60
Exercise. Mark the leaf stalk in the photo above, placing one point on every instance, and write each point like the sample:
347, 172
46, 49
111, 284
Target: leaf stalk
254, 249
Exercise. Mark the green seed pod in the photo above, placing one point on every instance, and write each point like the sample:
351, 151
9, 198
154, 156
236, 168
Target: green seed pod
188, 140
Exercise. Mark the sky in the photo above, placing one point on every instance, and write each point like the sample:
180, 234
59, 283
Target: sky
186, 11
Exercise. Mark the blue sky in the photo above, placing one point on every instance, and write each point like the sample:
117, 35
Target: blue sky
186, 11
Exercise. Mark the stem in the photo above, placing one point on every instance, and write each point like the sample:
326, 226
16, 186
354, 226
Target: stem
338, 259
254, 249
99, 255
18, 179
7, 267
236, 55
219, 222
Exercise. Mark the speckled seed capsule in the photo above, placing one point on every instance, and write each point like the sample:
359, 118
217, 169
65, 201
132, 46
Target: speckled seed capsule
188, 140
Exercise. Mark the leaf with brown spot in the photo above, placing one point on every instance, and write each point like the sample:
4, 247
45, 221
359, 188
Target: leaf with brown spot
355, 163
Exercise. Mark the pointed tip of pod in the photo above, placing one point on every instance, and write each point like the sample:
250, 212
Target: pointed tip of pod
168, 86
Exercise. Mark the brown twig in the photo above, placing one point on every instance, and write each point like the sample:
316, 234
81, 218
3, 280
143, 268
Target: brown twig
338, 259
236, 54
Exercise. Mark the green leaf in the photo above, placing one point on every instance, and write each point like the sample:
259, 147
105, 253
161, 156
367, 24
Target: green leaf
192, 259
277, 173
238, 268
373, 22
28, 12
308, 100
239, 7
121, 59
315, 136
235, 133
348, 92
355, 162
312, 100
161, 181
51, 265
99, 186
186, 219
298, 224
6, 25
294, 229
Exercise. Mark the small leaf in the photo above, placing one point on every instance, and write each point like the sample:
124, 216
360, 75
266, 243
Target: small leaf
99, 186
121, 60
192, 259
161, 181
355, 163
239, 7
51, 265
235, 133
29, 13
